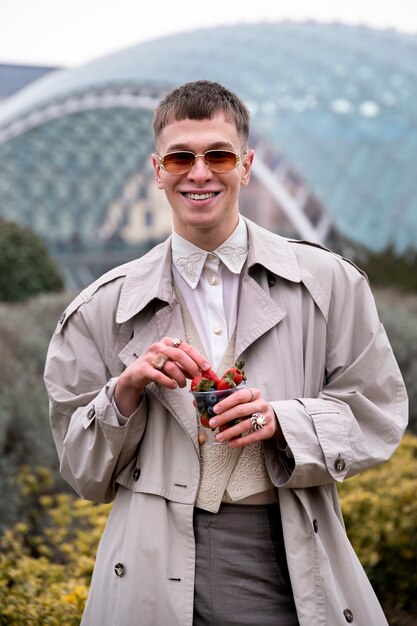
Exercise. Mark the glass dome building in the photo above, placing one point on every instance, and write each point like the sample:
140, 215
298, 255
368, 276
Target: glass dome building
334, 122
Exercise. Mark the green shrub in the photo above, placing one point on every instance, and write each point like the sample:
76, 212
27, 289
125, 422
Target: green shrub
389, 268
26, 267
25, 436
398, 313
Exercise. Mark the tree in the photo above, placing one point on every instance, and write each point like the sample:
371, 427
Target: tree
26, 268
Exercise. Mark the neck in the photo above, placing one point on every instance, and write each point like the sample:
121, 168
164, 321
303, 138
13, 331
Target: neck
207, 239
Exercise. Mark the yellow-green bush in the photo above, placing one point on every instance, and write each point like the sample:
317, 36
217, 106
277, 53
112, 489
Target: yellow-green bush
46, 561
380, 511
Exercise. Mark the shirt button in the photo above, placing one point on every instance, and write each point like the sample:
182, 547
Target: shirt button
348, 615
217, 329
119, 569
212, 279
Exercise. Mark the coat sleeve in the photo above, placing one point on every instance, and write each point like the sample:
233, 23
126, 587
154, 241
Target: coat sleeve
358, 417
93, 441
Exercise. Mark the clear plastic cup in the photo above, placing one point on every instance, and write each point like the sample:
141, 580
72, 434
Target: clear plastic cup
206, 401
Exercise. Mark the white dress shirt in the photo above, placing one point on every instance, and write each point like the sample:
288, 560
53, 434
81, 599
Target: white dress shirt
209, 284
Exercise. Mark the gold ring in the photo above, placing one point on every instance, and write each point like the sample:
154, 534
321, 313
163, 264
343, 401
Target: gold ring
159, 361
176, 342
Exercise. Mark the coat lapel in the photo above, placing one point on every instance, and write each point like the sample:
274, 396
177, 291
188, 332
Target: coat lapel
258, 313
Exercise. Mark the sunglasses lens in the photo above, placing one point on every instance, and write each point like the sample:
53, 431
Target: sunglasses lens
216, 160
178, 162
221, 160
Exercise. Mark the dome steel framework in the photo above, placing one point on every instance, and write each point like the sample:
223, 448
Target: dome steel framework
334, 126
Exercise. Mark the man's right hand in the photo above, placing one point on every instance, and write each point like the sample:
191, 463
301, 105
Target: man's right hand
183, 362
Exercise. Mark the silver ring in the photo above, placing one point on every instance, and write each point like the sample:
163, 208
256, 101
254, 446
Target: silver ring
258, 421
176, 342
251, 394
159, 361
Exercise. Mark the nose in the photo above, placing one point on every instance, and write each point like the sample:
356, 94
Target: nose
199, 170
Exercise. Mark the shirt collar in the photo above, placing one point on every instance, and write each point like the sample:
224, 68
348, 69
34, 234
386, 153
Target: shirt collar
189, 259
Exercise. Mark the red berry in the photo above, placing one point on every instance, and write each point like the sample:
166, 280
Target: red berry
201, 383
211, 376
226, 383
204, 419
235, 374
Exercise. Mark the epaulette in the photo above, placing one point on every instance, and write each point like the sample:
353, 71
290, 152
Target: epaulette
88, 292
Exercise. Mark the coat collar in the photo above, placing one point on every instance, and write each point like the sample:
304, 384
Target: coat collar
273, 252
149, 277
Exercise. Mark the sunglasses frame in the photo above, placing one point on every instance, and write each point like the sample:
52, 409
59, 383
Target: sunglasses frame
197, 156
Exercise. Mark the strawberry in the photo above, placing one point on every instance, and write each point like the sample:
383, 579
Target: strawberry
211, 376
206, 381
204, 419
233, 376
226, 383
201, 383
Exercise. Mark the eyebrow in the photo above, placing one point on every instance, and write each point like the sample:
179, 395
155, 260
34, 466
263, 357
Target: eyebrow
226, 145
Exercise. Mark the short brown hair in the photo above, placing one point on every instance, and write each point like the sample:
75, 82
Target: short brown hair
201, 100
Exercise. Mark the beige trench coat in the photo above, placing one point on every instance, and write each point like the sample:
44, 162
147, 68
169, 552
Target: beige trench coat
312, 342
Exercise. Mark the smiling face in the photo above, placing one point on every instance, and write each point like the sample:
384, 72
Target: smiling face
204, 203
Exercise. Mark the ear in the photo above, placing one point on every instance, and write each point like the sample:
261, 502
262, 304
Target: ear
247, 164
157, 170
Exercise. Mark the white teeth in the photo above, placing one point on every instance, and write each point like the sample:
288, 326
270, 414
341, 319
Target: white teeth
200, 196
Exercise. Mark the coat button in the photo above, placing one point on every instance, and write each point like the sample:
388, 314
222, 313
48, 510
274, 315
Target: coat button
339, 464
91, 412
315, 526
119, 569
348, 615
136, 474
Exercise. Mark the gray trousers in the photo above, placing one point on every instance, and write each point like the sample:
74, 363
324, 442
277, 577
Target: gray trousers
241, 569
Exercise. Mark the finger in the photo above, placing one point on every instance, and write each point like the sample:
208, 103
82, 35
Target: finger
176, 372
247, 439
242, 433
169, 369
188, 358
188, 349
235, 406
241, 397
158, 376
250, 436
141, 372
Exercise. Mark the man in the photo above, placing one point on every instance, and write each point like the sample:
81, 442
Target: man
248, 532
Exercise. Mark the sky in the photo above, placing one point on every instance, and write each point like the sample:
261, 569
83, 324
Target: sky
67, 34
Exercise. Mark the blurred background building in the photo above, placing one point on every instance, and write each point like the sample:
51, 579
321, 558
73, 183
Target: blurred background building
334, 126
